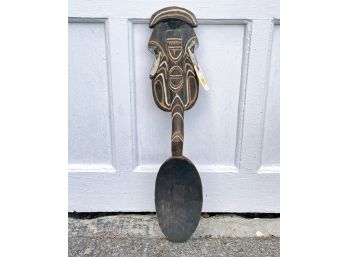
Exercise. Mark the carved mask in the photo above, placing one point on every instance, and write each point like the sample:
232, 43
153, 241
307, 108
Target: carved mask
172, 73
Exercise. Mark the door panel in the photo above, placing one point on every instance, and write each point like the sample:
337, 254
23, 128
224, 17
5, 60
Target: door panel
118, 138
90, 141
271, 144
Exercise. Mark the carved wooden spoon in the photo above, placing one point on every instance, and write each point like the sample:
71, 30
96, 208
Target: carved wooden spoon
175, 86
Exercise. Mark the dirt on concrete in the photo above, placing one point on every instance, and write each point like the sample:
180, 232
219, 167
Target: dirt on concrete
139, 235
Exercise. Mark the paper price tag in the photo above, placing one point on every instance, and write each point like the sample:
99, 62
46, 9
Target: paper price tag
201, 77
198, 70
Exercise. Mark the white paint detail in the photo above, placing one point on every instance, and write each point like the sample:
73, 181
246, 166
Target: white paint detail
177, 114
188, 71
192, 19
177, 97
165, 63
164, 87
177, 136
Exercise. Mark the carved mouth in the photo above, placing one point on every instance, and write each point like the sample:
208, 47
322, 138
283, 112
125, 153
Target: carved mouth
176, 78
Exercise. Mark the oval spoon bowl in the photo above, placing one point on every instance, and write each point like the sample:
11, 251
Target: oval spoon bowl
178, 198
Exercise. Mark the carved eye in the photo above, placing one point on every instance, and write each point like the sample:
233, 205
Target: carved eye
194, 45
155, 50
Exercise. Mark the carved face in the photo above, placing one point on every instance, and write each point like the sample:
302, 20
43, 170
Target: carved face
172, 72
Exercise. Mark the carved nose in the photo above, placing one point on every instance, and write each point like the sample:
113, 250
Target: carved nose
174, 44
174, 47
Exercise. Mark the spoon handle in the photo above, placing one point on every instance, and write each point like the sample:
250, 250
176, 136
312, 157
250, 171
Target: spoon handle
177, 126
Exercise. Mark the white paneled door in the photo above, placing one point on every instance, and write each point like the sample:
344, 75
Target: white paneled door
118, 138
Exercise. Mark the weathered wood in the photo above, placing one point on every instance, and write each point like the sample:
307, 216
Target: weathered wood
175, 85
178, 198
178, 191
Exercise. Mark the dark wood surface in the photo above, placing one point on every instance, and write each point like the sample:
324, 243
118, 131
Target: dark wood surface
178, 198
175, 86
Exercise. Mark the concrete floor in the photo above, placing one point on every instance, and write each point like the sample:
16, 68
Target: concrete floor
140, 235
